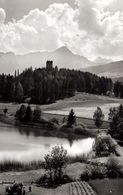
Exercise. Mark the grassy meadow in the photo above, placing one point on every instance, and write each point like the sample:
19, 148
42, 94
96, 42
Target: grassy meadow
83, 104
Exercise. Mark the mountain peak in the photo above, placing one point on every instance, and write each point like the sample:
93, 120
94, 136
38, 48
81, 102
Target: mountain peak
63, 49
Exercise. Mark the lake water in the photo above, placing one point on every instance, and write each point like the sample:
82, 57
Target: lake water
24, 144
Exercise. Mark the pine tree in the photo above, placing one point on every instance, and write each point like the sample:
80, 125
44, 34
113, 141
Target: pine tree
37, 114
28, 114
71, 120
116, 121
20, 114
98, 117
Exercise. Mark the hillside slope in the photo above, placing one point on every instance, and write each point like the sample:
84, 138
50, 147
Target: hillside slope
112, 70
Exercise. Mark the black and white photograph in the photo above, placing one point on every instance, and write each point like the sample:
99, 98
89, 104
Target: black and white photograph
61, 97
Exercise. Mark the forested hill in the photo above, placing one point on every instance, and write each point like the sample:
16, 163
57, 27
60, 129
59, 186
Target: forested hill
45, 85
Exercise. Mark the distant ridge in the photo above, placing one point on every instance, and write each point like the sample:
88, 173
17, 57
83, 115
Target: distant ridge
62, 57
113, 70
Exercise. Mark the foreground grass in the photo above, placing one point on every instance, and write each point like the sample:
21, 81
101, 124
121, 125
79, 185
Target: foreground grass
62, 190
107, 186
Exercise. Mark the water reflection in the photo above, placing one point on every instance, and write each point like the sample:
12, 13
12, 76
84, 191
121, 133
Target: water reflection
26, 144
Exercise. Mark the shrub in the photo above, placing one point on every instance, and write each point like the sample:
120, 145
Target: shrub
104, 145
55, 120
64, 128
94, 172
80, 129
45, 180
98, 171
85, 176
114, 169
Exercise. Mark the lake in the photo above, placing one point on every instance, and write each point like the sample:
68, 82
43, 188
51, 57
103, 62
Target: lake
23, 144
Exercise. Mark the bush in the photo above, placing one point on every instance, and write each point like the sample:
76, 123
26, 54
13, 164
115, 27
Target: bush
64, 128
94, 172
45, 180
80, 129
114, 169
104, 145
55, 120
98, 171
85, 176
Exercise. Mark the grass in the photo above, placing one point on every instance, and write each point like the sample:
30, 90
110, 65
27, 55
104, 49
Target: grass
107, 186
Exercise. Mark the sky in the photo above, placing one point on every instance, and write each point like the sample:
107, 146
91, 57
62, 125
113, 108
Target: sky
90, 28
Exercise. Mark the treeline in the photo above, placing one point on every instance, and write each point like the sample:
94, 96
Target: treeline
46, 85
118, 89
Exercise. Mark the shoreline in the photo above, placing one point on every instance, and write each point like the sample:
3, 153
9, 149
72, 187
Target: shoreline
46, 131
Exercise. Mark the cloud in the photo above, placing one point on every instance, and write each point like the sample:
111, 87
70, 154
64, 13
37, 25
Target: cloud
87, 17
39, 30
114, 6
34, 32
92, 29
2, 15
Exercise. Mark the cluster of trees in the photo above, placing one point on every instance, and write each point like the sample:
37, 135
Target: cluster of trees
115, 121
11, 89
25, 114
45, 85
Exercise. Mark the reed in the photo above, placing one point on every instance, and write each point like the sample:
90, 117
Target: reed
19, 166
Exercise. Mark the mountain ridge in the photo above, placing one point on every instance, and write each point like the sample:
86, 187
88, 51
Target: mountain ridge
62, 57
112, 70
